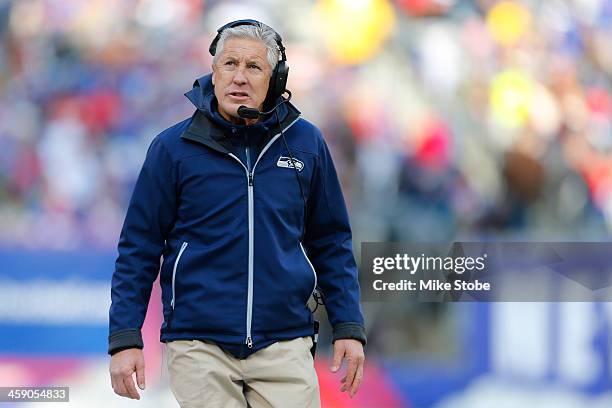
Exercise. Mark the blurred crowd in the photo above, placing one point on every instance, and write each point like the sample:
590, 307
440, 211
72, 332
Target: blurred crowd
447, 119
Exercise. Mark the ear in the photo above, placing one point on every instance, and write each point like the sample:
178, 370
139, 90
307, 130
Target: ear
213, 75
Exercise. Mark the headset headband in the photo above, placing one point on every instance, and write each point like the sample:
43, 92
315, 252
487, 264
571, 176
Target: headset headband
279, 41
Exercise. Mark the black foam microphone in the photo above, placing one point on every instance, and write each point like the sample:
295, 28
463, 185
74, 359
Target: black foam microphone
251, 113
248, 113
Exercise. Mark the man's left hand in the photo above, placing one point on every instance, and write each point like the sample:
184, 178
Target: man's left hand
352, 350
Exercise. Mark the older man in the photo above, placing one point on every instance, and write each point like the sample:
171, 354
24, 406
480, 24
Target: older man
248, 226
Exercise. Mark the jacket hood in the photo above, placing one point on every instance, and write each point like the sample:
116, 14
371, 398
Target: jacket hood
202, 95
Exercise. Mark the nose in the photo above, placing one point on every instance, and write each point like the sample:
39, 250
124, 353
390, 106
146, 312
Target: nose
239, 76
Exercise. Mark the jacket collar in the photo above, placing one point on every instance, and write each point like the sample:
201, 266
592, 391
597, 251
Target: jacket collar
208, 128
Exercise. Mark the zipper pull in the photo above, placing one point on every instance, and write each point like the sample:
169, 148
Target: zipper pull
249, 342
250, 179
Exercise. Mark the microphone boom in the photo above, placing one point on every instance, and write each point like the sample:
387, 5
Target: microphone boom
251, 113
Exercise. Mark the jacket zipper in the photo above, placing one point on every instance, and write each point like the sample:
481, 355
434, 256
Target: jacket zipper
249, 316
250, 176
176, 262
314, 287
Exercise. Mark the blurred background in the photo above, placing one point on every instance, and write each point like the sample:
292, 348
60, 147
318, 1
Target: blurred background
447, 119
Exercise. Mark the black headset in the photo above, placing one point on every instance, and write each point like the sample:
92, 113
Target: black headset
278, 80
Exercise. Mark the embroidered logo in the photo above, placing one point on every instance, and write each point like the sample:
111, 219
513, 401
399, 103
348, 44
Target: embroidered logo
285, 162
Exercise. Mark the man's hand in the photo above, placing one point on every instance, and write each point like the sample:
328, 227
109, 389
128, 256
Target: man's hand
352, 350
122, 366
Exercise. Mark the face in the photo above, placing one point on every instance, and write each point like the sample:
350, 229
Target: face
241, 76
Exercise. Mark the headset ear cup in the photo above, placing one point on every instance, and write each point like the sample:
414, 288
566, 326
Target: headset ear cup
282, 72
212, 49
278, 83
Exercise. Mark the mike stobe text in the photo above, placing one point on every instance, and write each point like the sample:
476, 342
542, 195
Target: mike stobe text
434, 285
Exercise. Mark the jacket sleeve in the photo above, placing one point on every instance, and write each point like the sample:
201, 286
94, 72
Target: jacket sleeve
328, 242
149, 218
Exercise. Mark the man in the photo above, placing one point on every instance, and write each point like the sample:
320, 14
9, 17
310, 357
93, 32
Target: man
249, 218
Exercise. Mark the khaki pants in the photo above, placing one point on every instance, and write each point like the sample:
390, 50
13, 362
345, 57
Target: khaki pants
280, 375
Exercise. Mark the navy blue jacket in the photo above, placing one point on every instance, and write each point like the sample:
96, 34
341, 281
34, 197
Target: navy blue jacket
242, 254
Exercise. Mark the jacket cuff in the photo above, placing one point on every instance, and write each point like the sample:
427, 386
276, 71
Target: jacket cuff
349, 331
124, 339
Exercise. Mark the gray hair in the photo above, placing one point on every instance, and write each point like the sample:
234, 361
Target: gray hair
264, 34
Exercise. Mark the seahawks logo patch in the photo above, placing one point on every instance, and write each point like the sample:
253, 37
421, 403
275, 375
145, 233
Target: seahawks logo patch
285, 162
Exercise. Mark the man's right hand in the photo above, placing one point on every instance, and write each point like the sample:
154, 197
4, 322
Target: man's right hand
122, 366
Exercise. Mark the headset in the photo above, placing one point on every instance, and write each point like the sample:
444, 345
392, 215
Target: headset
278, 79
